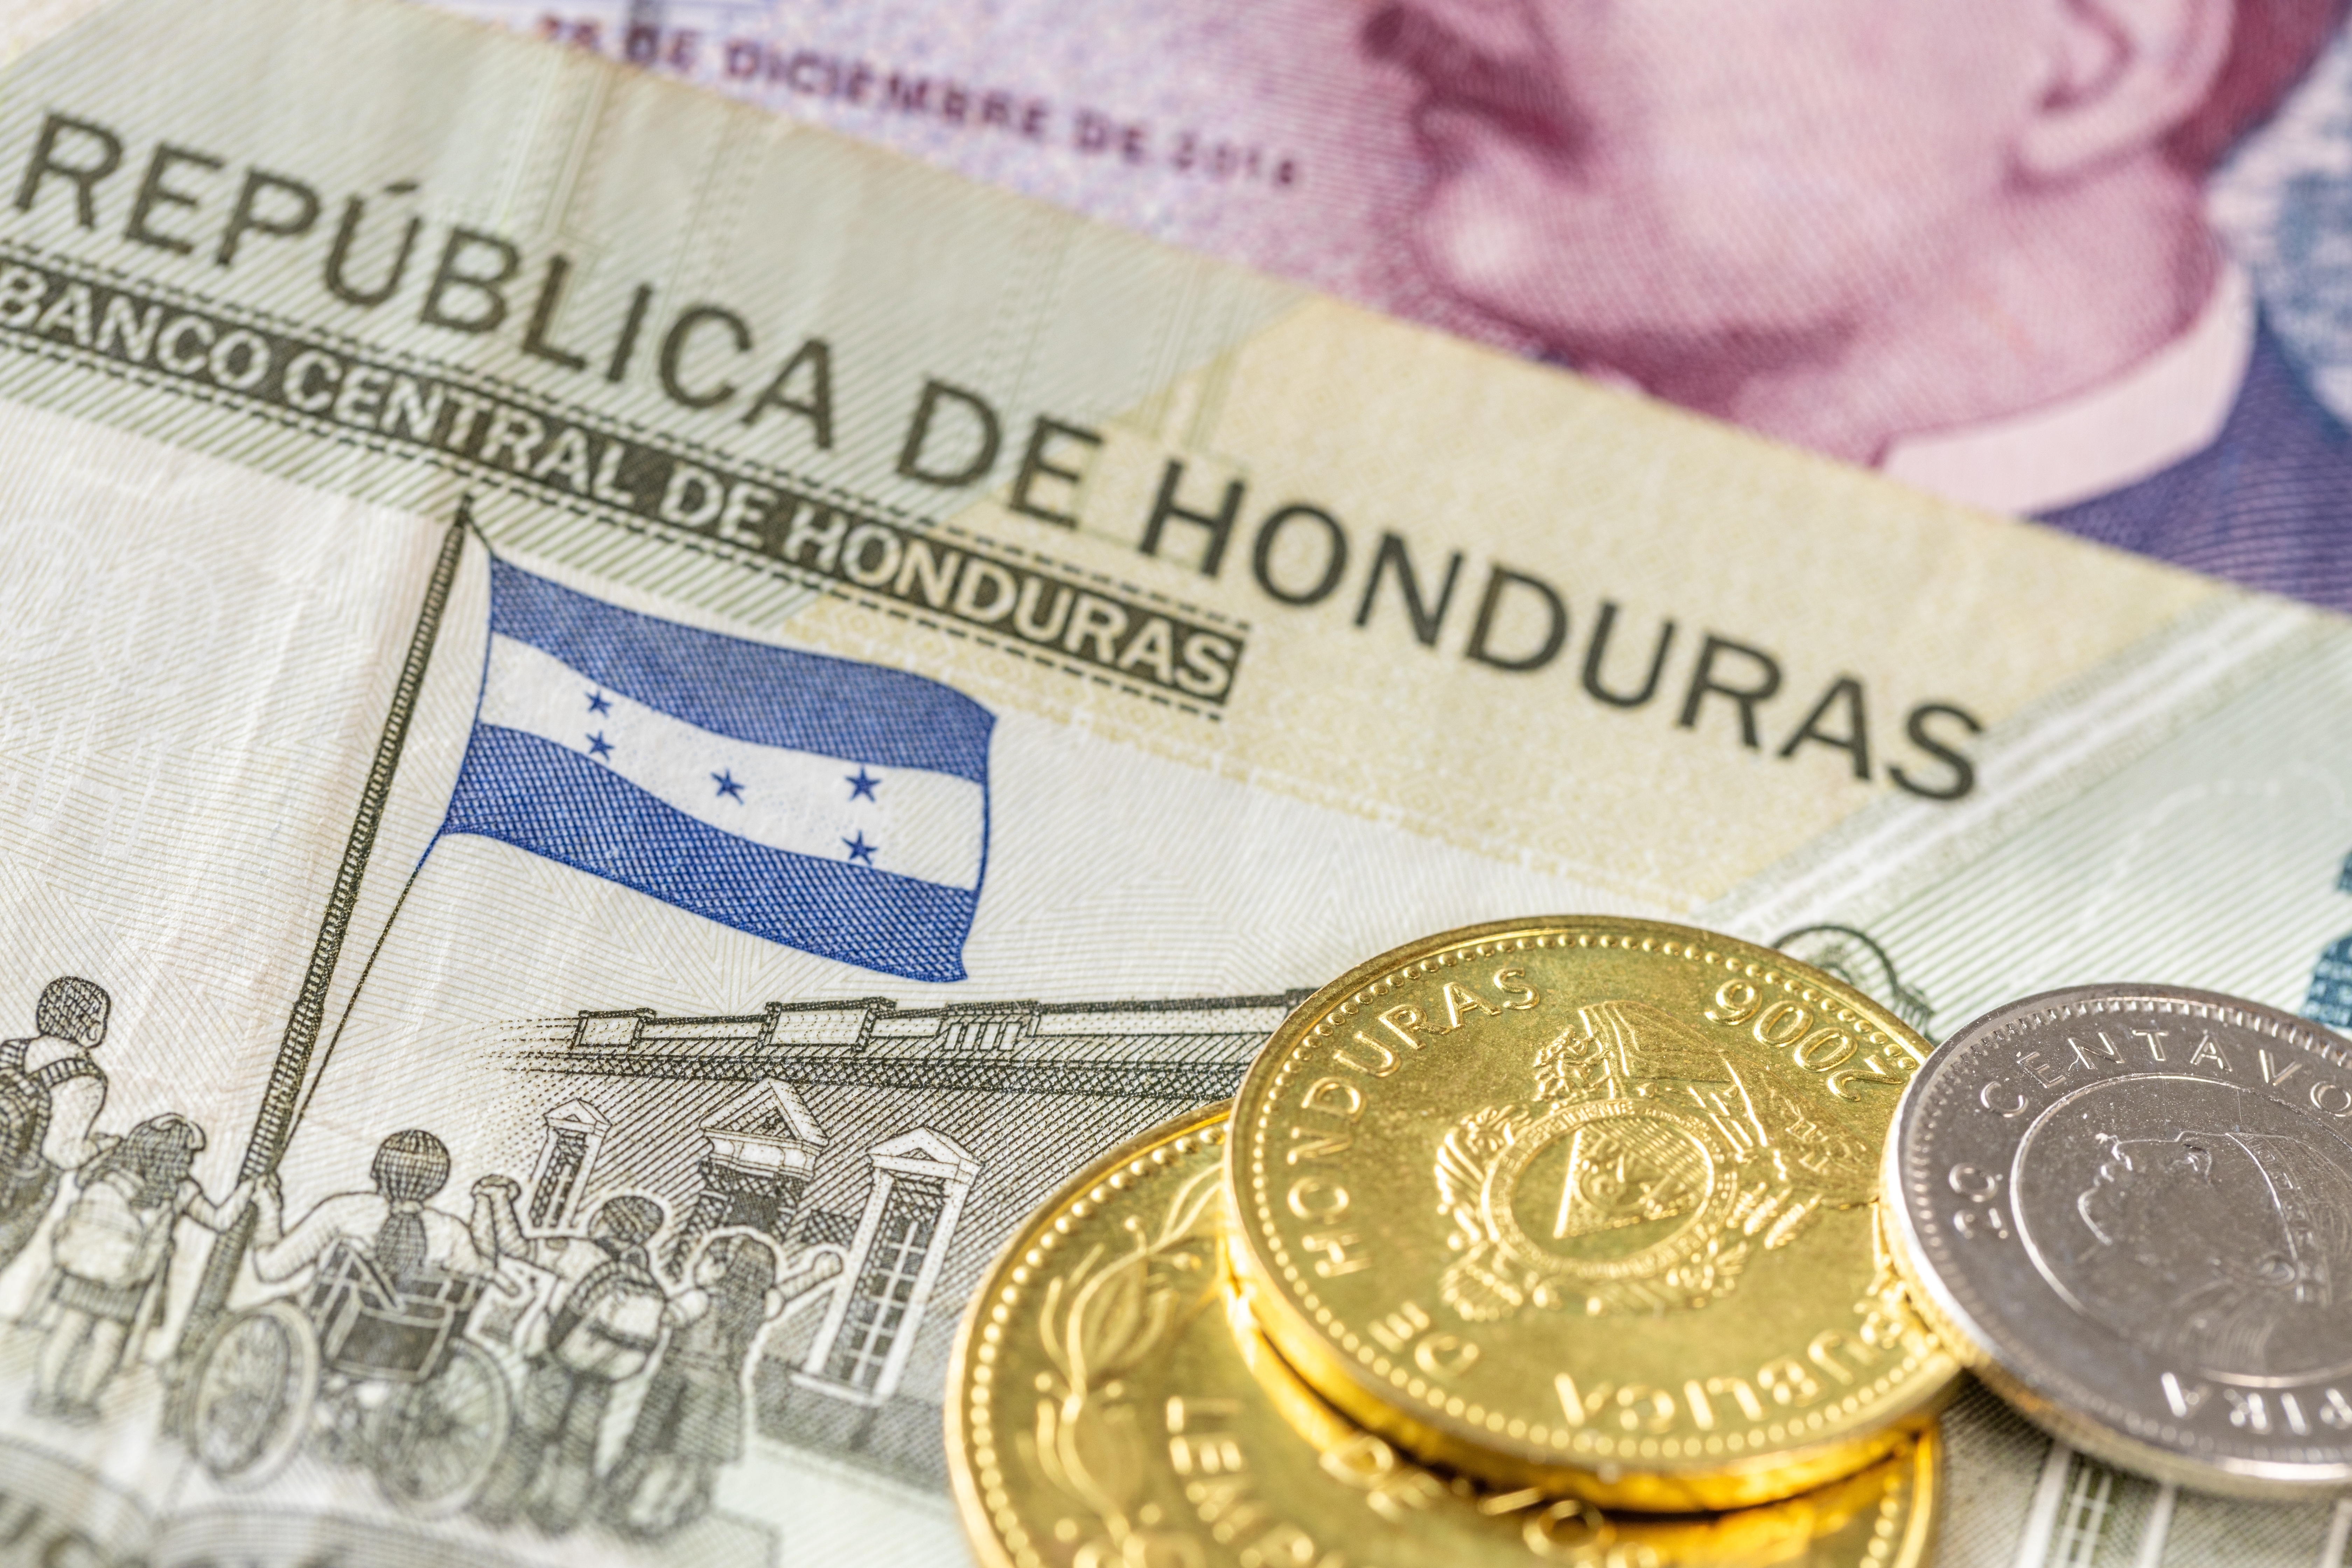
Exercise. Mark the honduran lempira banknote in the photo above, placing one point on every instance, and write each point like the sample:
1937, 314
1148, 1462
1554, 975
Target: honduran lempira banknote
628, 728
2077, 265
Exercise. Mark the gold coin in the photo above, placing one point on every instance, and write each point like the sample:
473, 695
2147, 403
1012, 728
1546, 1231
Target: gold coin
1884, 1516
1588, 1204
1110, 1405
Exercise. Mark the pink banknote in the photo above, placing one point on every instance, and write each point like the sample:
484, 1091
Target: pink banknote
2082, 262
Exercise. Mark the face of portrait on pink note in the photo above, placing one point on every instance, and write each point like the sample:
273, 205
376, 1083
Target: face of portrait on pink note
1837, 220
1684, 168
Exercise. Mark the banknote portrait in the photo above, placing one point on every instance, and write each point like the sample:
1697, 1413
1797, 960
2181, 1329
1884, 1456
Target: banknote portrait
1970, 247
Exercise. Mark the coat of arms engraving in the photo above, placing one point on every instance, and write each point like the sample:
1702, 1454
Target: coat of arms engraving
1643, 1172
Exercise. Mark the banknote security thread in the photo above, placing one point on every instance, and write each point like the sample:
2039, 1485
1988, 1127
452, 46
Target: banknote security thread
1112, 1401
2129, 1209
1586, 1203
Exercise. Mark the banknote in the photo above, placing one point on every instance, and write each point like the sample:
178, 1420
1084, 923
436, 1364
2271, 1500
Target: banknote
2114, 300
628, 728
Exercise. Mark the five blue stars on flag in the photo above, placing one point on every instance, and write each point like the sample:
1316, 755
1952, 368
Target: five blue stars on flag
861, 784
602, 735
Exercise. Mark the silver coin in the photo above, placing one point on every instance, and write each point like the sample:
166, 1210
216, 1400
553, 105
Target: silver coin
2129, 1209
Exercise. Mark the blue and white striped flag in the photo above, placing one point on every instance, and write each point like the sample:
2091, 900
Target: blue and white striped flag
836, 808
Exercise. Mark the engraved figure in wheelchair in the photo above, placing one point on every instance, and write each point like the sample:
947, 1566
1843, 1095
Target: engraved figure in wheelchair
392, 1223
605, 1319
373, 1357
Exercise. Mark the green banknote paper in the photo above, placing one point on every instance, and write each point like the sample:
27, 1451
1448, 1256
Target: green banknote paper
589, 674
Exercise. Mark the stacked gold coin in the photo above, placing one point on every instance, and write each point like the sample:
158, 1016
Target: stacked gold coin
1550, 1239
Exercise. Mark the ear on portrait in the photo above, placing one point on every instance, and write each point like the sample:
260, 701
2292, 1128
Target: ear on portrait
2118, 76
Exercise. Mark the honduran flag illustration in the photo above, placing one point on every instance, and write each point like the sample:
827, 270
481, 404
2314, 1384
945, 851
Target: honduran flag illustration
836, 808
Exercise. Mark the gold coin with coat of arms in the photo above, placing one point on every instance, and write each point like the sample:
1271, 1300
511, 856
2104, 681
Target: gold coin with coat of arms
1111, 1405
1589, 1204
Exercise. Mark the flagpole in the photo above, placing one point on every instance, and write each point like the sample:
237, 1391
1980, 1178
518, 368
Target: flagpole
281, 1101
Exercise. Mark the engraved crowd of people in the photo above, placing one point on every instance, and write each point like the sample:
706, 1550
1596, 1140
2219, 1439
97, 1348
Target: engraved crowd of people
112, 1204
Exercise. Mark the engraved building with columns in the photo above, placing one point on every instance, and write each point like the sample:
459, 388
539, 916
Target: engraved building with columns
913, 1141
